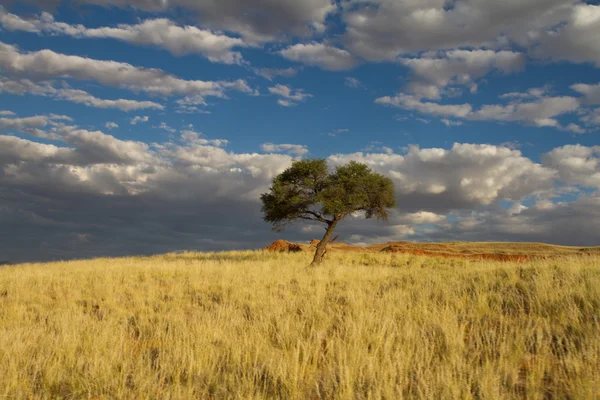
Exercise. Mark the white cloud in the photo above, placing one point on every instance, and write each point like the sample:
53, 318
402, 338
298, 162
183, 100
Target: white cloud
161, 33
576, 164
139, 119
353, 83
289, 97
432, 72
272, 73
591, 93
189, 105
320, 55
336, 132
89, 148
592, 118
25, 86
11, 22
577, 219
29, 125
575, 39
533, 93
409, 102
255, 20
574, 128
541, 112
61, 117
516, 209
163, 125
377, 147
82, 97
425, 217
448, 122
6, 113
464, 176
46, 64
111, 125
191, 137
384, 29
296, 149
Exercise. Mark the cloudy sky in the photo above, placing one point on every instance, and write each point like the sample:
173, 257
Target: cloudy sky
146, 126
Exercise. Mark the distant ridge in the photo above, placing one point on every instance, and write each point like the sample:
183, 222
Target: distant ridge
496, 251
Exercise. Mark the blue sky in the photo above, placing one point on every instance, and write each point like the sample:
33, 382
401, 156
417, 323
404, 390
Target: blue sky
136, 126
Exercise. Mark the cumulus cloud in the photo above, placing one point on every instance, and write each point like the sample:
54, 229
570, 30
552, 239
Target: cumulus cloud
353, 83
116, 192
409, 102
28, 125
162, 33
255, 20
164, 126
577, 220
449, 122
541, 111
23, 123
83, 97
576, 164
432, 72
385, 29
139, 119
465, 176
272, 73
46, 64
111, 125
424, 217
288, 97
25, 86
320, 55
192, 137
592, 118
591, 93
575, 39
296, 149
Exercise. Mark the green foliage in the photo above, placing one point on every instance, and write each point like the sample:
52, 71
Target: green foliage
308, 191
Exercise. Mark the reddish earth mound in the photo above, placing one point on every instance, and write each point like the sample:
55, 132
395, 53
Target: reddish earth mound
283, 245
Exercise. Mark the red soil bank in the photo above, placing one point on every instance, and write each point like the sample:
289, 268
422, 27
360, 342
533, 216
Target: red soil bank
283, 245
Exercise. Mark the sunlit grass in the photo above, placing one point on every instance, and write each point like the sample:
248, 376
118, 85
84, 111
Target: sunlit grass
262, 325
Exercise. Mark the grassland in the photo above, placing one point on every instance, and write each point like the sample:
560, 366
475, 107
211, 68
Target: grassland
262, 325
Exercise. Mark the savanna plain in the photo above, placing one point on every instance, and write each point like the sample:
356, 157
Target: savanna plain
261, 325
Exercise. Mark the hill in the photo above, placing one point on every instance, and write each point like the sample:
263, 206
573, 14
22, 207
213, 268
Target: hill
498, 251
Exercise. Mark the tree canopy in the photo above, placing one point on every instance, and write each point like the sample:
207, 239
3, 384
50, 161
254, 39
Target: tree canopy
308, 191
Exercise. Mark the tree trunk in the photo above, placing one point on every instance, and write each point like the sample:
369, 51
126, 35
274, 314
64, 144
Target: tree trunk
322, 246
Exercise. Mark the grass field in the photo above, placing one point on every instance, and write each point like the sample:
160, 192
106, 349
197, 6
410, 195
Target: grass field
262, 325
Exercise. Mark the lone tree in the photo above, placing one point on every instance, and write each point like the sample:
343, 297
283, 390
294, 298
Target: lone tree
307, 191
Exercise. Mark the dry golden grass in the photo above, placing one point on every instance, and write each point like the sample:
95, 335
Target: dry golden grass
262, 325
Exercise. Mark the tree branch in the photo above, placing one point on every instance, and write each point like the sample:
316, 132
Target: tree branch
317, 217
310, 218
